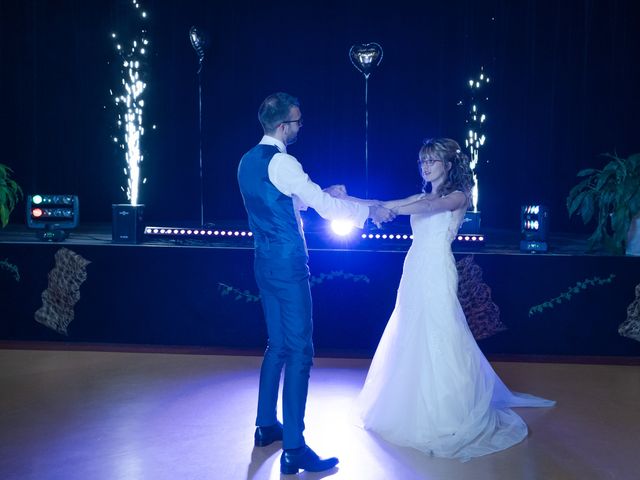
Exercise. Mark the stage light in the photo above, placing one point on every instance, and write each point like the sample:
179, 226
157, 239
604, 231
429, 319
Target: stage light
52, 215
341, 228
172, 232
533, 228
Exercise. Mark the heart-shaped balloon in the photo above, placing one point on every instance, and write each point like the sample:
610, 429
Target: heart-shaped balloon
365, 57
198, 41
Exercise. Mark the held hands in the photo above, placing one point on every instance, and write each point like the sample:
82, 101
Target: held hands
377, 211
380, 215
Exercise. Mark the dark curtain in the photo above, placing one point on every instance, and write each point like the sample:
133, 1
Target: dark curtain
564, 89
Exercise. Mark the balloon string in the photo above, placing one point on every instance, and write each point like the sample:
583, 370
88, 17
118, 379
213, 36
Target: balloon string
366, 136
200, 143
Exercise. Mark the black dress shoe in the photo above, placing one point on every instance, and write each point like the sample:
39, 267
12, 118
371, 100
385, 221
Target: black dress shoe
304, 458
267, 435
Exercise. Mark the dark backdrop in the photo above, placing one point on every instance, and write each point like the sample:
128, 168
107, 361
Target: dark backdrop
564, 88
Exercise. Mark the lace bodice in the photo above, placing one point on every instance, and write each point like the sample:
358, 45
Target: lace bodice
438, 228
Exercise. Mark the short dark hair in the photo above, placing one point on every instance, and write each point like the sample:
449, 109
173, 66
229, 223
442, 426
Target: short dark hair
275, 110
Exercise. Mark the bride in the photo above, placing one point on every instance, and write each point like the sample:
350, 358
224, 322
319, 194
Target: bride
429, 386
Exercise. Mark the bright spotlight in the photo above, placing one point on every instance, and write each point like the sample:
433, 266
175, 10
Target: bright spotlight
341, 227
534, 220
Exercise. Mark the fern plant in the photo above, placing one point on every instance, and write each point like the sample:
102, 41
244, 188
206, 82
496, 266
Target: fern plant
10, 194
611, 196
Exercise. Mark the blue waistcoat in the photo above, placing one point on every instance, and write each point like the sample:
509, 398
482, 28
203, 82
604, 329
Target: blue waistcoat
271, 215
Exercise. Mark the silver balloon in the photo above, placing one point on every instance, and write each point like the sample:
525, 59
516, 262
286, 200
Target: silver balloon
365, 57
198, 42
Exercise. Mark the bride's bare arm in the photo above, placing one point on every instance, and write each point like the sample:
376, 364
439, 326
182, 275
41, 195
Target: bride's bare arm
388, 203
340, 191
453, 201
402, 201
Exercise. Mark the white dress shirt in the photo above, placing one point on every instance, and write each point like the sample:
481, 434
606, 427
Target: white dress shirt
288, 176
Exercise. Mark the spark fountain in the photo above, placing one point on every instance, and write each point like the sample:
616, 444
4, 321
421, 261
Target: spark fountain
127, 218
476, 137
474, 141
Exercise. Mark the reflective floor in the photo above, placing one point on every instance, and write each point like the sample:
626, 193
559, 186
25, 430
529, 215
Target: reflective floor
125, 416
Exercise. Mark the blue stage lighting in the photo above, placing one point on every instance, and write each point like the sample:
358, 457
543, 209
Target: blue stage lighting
172, 232
534, 221
341, 228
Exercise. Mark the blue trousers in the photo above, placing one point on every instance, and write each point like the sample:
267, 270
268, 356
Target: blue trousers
286, 300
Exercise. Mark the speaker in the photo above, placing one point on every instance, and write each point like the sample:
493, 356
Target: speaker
127, 223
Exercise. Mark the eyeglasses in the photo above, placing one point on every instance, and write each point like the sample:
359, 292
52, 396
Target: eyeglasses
298, 121
430, 162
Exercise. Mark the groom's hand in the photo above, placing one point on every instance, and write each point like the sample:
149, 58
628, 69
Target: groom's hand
380, 214
337, 191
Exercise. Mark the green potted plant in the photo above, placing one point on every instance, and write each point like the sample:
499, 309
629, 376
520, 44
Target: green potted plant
611, 196
10, 193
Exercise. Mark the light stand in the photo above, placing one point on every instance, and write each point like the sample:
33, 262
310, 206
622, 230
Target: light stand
198, 42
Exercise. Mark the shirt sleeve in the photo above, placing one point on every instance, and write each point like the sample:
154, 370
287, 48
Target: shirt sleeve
288, 176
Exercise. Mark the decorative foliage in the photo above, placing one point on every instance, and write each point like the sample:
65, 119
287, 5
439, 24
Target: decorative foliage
483, 315
630, 328
6, 265
566, 296
10, 193
63, 291
316, 280
225, 289
611, 196
239, 294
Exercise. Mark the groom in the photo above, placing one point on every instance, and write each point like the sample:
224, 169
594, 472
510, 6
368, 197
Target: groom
274, 188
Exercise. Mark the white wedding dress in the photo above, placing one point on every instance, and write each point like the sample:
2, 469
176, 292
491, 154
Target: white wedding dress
429, 386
